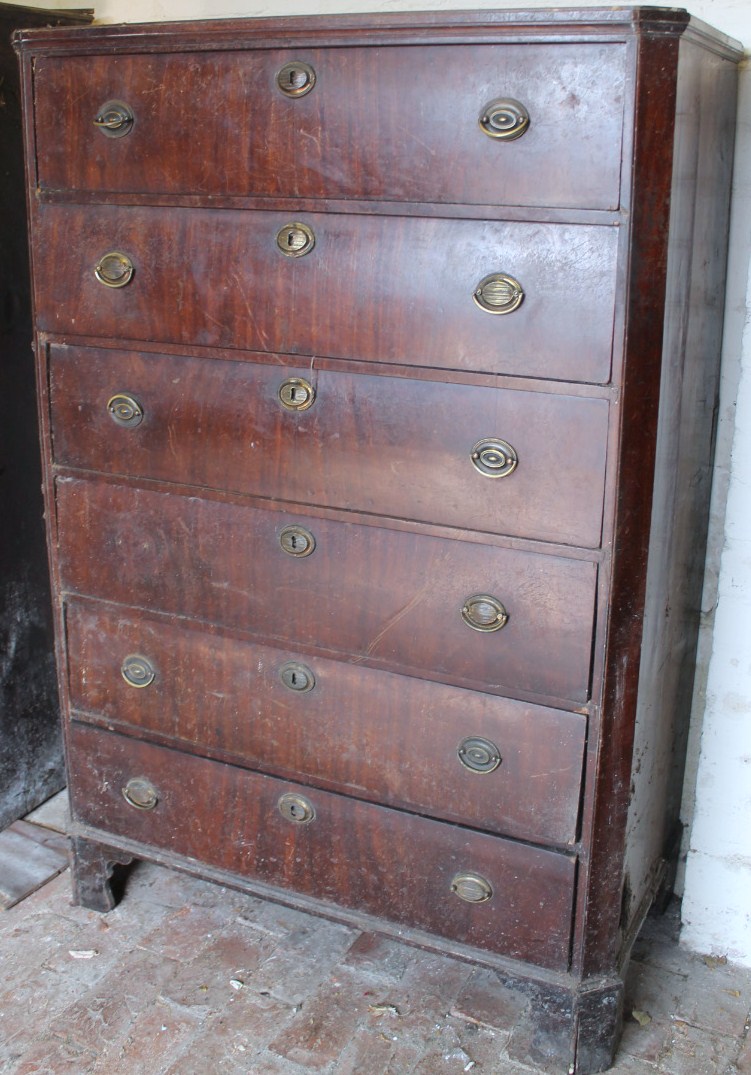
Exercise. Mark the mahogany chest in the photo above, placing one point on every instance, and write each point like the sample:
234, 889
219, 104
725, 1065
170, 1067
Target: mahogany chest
377, 358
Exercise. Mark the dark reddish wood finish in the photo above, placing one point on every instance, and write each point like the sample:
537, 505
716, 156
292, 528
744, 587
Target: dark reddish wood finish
220, 126
389, 289
419, 437
375, 595
604, 380
352, 853
217, 694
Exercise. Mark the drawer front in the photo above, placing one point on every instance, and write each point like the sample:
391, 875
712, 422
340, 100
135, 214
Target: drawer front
391, 446
378, 289
333, 724
379, 123
393, 599
351, 853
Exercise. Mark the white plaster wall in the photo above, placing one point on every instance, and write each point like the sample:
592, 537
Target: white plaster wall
717, 799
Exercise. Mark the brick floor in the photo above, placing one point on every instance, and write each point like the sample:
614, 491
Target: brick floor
188, 978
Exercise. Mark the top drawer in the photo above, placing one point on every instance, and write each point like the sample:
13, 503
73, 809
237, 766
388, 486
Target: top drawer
397, 123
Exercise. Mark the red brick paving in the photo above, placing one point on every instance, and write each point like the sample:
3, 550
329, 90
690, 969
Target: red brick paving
187, 978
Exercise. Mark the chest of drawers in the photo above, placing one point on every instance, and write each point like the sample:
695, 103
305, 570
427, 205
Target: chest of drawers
377, 359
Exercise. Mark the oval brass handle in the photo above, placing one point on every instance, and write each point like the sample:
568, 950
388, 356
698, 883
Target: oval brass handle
137, 671
296, 394
114, 269
296, 808
494, 458
484, 613
141, 793
479, 755
471, 887
297, 541
296, 78
297, 677
498, 293
504, 119
295, 240
124, 410
114, 119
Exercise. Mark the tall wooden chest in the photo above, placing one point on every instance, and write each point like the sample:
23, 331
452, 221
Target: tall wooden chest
378, 366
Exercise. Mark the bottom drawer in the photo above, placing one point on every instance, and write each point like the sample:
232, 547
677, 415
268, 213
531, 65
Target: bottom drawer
413, 871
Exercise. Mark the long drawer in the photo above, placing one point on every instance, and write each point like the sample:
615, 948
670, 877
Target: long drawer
390, 289
490, 762
355, 854
473, 614
392, 446
221, 124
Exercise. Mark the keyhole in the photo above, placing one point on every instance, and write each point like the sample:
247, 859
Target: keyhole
296, 541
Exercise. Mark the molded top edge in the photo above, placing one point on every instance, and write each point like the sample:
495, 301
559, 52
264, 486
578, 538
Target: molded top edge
371, 28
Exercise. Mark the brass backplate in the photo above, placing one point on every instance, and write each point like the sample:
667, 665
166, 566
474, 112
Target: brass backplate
297, 541
141, 793
296, 78
498, 293
114, 269
494, 458
295, 240
114, 119
296, 808
483, 612
471, 887
137, 671
296, 394
125, 410
504, 119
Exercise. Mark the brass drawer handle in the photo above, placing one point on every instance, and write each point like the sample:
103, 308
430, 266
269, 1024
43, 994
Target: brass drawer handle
296, 394
297, 677
114, 119
296, 808
479, 755
114, 269
494, 458
137, 671
472, 888
295, 240
297, 541
125, 410
498, 293
296, 78
504, 119
484, 613
141, 793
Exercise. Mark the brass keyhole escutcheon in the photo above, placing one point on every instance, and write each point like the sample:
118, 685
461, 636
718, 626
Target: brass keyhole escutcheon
297, 677
494, 458
114, 119
498, 293
479, 755
296, 394
114, 269
471, 887
137, 671
484, 613
296, 78
141, 793
124, 410
295, 240
504, 118
296, 808
297, 541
